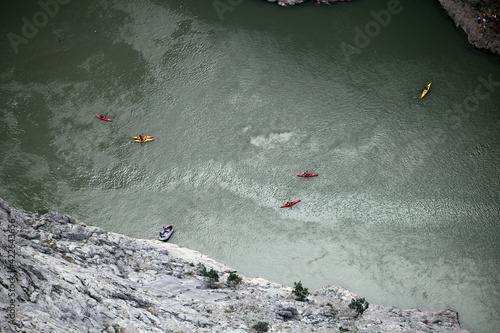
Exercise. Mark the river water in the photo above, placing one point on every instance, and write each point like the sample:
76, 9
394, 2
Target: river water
240, 98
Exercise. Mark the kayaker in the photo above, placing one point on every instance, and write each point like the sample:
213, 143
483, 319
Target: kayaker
306, 173
289, 203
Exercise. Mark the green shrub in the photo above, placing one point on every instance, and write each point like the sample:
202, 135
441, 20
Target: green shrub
261, 326
116, 327
360, 305
201, 269
300, 292
212, 275
233, 280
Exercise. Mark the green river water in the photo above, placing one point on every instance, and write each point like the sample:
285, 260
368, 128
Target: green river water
405, 210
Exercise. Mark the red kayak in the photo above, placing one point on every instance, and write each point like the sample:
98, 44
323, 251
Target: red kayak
290, 204
306, 175
103, 118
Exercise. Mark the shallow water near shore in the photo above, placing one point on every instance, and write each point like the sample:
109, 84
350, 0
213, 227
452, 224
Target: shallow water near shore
405, 208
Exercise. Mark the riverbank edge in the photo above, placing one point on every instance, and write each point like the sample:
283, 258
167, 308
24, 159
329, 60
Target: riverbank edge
463, 13
64, 276
465, 16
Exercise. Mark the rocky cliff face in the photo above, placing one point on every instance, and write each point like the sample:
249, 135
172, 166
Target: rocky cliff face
60, 275
464, 14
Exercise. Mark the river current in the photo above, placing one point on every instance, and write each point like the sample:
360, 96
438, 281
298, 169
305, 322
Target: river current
241, 96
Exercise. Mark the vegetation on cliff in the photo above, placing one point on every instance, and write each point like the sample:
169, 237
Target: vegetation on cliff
65, 276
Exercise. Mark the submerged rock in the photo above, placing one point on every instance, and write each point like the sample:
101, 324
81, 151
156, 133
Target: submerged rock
64, 276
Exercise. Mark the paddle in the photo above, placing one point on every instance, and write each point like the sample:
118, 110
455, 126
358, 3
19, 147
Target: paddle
104, 117
424, 90
282, 199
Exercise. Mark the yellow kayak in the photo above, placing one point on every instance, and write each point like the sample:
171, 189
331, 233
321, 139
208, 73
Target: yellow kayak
145, 140
144, 137
426, 90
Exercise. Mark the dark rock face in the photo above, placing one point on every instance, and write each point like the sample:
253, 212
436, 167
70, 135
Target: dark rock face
287, 314
464, 14
63, 276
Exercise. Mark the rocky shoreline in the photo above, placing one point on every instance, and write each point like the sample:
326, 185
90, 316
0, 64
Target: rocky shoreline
61, 275
464, 14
